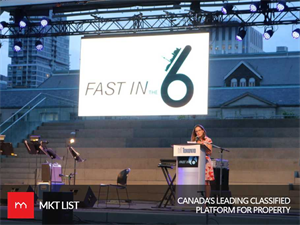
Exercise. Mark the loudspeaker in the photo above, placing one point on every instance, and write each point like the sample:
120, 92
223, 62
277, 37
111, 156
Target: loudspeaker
15, 188
57, 215
215, 185
84, 194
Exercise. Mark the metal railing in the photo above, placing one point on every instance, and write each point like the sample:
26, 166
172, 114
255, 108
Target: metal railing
23, 115
27, 104
60, 98
16, 113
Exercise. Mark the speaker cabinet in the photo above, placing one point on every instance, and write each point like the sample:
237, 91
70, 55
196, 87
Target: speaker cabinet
215, 185
57, 215
83, 194
14, 188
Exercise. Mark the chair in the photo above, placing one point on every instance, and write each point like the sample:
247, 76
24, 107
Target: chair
121, 184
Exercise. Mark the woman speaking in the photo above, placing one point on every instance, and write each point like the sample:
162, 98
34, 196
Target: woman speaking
199, 135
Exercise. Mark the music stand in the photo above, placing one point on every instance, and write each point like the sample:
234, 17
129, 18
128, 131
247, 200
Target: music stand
33, 147
38, 148
76, 157
6, 148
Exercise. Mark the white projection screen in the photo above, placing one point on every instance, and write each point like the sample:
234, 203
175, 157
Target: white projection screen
144, 75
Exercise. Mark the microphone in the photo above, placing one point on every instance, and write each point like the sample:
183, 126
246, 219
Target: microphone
197, 138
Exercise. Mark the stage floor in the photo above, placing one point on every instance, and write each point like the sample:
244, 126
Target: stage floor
148, 213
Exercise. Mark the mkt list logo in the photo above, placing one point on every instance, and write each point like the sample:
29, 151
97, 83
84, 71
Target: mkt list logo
20, 205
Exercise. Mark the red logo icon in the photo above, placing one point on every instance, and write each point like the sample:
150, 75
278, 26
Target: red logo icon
20, 205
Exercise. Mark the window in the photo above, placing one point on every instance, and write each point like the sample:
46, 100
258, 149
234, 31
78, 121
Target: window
49, 116
243, 82
74, 116
233, 82
229, 33
223, 34
251, 82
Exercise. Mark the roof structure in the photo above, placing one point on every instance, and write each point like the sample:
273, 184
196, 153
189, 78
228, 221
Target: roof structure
280, 84
247, 66
281, 96
61, 81
17, 98
275, 68
252, 100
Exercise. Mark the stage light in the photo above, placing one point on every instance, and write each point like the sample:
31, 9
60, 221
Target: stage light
23, 23
254, 7
268, 33
296, 33
44, 22
73, 137
281, 5
241, 34
3, 24
39, 45
227, 8
18, 46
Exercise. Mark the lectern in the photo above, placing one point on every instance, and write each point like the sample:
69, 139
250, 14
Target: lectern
190, 170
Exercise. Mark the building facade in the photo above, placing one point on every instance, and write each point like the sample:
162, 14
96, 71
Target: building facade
3, 82
260, 85
29, 68
222, 41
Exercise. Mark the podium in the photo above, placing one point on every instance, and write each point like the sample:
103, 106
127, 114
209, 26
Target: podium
190, 170
190, 164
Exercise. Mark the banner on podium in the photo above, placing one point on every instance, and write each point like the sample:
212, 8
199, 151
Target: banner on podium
186, 150
191, 161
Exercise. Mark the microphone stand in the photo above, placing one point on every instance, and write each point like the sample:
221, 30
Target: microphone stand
221, 169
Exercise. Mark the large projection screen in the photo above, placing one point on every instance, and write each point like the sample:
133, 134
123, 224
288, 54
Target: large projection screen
144, 75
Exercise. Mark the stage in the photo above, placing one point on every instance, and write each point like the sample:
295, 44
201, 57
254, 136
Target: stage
148, 213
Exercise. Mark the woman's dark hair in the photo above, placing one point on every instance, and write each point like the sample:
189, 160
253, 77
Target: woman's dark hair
193, 136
